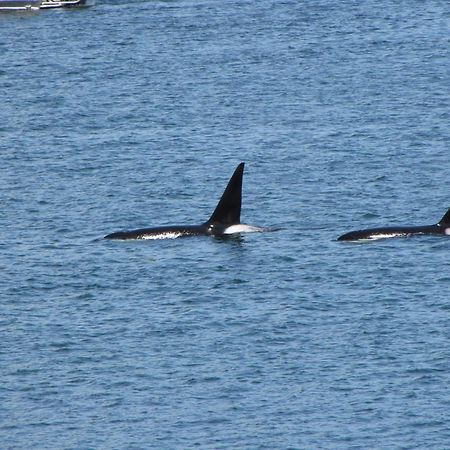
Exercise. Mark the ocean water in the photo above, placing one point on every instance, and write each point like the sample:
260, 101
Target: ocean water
135, 114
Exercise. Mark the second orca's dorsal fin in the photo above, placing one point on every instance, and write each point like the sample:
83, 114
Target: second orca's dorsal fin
445, 221
228, 210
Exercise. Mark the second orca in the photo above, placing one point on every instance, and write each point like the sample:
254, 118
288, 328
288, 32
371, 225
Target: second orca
224, 221
440, 228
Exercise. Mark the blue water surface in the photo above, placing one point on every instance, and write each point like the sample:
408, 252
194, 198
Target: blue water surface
130, 115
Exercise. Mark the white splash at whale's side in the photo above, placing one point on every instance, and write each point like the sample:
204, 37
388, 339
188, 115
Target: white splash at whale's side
166, 235
376, 237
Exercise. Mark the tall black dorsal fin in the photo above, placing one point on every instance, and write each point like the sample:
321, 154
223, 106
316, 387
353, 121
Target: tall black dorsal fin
445, 221
228, 210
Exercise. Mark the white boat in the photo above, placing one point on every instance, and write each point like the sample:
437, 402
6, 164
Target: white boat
18, 5
47, 4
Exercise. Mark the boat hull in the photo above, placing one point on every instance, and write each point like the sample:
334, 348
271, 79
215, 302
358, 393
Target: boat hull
48, 4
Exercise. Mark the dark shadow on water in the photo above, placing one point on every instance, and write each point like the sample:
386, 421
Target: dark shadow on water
234, 239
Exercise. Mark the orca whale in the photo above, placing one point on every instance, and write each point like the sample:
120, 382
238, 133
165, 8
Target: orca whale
225, 220
440, 228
